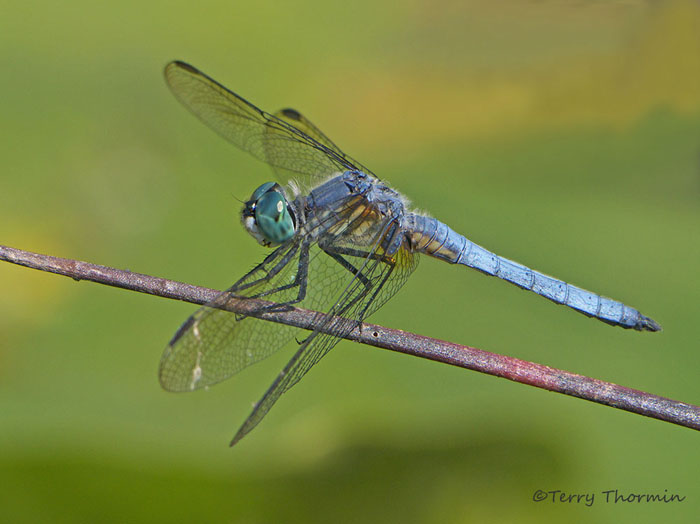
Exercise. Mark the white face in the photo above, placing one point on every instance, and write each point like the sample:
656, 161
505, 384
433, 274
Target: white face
252, 227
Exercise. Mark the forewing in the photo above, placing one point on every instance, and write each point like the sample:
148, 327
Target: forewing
296, 119
376, 281
214, 344
277, 141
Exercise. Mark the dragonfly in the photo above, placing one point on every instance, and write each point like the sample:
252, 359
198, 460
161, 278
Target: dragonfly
343, 242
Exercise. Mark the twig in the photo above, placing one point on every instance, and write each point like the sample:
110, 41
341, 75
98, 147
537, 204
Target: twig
514, 369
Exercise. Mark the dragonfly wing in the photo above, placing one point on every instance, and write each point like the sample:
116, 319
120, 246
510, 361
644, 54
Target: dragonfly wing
296, 119
276, 141
376, 280
214, 344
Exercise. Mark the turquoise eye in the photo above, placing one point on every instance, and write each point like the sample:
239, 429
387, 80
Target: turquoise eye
262, 190
272, 215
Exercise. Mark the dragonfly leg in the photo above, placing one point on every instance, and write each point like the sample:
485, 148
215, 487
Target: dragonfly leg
244, 283
337, 252
391, 262
365, 281
338, 257
300, 282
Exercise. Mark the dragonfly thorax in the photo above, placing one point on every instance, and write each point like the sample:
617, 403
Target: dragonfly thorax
268, 217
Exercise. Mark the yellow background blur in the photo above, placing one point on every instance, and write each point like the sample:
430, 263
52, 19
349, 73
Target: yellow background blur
563, 135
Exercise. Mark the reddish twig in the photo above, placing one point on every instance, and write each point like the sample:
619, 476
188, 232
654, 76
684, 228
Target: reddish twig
514, 369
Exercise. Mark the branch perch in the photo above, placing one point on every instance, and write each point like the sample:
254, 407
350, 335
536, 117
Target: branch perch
514, 369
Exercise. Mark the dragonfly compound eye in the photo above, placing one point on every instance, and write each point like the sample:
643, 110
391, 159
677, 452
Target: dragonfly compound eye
273, 218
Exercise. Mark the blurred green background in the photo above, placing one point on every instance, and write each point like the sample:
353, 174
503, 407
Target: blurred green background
565, 136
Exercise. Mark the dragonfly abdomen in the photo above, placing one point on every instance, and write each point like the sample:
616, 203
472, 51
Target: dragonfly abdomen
432, 237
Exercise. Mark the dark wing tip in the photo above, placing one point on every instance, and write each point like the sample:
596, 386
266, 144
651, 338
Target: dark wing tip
181, 65
242, 432
291, 113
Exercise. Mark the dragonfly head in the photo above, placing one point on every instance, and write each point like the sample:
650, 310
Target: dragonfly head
268, 217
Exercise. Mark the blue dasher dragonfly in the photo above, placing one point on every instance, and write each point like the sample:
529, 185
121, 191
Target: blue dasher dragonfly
343, 243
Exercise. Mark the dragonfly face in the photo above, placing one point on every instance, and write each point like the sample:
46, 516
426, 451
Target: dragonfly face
268, 217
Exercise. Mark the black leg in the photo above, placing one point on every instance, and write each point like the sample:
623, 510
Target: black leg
300, 281
347, 265
242, 284
392, 265
363, 274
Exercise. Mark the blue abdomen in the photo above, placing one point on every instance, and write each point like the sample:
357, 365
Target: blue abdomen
432, 237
